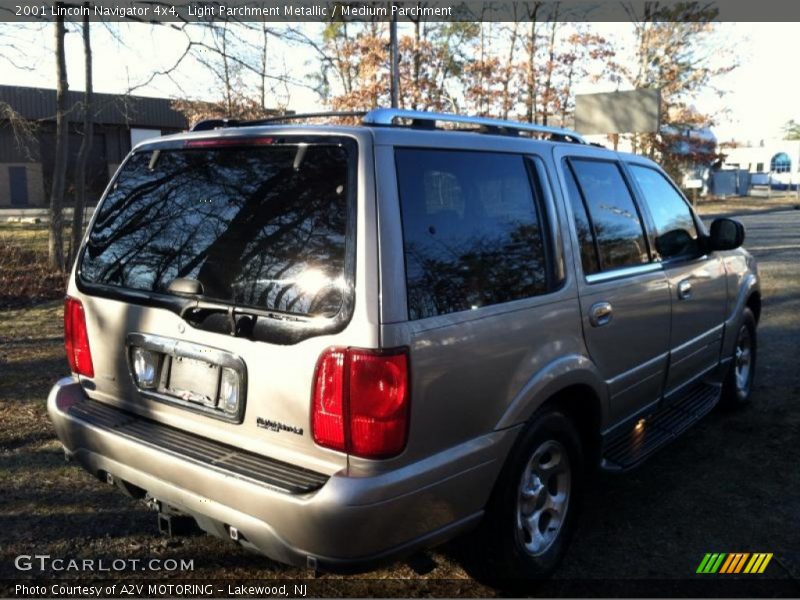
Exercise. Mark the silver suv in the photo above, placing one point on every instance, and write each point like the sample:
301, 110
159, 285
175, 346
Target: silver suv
336, 344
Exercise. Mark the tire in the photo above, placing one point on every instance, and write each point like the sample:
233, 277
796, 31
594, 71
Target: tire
533, 509
738, 385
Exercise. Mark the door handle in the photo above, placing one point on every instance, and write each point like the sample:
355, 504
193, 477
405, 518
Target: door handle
600, 314
685, 289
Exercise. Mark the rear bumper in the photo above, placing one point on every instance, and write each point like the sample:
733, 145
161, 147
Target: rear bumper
348, 523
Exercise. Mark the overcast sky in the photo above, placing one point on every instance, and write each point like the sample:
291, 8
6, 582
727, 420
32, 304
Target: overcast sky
758, 97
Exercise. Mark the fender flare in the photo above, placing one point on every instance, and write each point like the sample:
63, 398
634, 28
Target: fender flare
747, 288
566, 371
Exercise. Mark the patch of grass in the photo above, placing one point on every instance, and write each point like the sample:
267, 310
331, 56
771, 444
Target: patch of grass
26, 278
745, 205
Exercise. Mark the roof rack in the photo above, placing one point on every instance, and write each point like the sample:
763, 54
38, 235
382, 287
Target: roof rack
207, 124
389, 117
304, 116
428, 120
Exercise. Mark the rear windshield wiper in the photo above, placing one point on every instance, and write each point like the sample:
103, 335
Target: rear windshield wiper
227, 318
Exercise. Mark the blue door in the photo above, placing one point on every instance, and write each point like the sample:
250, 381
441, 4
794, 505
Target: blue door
18, 181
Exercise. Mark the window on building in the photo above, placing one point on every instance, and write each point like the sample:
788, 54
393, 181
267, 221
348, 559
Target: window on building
759, 167
780, 163
471, 230
617, 228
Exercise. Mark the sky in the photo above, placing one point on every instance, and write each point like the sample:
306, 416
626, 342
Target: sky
751, 103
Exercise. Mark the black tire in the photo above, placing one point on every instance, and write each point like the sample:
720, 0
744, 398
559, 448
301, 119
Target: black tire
737, 389
505, 553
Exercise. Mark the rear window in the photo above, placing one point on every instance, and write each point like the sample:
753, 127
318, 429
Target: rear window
258, 226
472, 233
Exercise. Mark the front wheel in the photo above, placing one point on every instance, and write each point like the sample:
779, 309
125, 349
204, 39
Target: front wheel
533, 509
738, 385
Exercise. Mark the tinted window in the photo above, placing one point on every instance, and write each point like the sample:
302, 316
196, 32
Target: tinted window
615, 220
676, 233
257, 226
583, 228
471, 232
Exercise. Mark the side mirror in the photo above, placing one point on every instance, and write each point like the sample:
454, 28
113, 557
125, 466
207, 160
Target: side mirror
726, 234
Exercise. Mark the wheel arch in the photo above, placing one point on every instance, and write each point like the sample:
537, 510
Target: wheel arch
571, 385
754, 304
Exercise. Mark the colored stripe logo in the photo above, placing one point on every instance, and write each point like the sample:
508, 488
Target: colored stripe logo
737, 562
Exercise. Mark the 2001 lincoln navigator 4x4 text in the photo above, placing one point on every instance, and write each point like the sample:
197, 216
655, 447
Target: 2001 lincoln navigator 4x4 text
338, 344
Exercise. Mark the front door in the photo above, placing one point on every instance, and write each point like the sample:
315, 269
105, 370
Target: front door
624, 293
696, 280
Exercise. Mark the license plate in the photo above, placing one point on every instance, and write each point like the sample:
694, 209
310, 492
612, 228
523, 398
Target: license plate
194, 381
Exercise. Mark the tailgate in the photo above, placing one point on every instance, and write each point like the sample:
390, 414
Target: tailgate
213, 276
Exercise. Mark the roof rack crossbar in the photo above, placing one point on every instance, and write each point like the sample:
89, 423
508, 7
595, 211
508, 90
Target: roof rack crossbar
388, 116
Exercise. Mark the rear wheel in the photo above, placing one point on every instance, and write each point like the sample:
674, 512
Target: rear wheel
738, 385
533, 509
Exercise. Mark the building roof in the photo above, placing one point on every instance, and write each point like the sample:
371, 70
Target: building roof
39, 104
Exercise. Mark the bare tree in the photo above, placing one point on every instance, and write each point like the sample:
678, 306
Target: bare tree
56, 237
86, 143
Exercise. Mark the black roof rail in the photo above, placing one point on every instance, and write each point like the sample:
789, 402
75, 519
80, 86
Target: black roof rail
394, 117
389, 117
306, 116
209, 124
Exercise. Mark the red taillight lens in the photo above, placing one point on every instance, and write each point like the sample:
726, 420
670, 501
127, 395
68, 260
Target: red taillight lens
76, 338
328, 418
361, 402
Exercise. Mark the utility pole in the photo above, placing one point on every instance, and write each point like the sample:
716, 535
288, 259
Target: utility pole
395, 59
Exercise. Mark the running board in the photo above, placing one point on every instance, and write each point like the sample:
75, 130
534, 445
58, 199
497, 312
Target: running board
631, 444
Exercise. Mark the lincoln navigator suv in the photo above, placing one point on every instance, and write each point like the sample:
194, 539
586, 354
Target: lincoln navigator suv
338, 343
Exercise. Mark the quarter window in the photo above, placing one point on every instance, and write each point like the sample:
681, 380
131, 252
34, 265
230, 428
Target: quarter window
609, 208
472, 233
676, 232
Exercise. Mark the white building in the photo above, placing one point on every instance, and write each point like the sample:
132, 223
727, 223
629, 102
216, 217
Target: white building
775, 161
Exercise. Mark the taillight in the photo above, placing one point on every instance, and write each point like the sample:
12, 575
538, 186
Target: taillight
361, 401
76, 338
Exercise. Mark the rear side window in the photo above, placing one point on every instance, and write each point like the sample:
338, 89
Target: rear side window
472, 231
676, 232
609, 209
259, 226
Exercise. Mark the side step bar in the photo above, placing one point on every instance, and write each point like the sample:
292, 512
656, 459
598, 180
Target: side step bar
630, 445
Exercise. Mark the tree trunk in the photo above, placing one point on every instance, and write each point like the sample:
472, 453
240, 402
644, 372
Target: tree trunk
531, 83
551, 58
264, 65
56, 238
510, 67
86, 143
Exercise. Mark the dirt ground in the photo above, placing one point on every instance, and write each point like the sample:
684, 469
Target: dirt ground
730, 484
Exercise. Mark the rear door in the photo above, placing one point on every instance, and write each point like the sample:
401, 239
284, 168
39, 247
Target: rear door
624, 293
697, 280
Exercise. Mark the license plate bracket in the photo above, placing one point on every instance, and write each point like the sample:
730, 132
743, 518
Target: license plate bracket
193, 380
